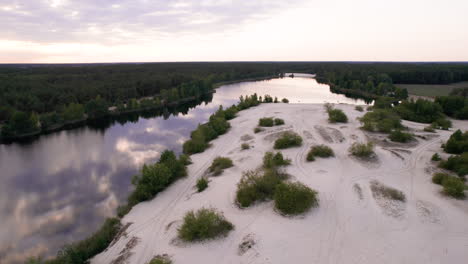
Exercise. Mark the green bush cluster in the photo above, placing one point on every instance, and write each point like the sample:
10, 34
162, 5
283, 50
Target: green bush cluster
279, 122
245, 146
421, 110
204, 224
202, 184
337, 116
256, 186
258, 130
161, 260
272, 160
457, 164
266, 122
359, 108
454, 105
439, 177
436, 157
294, 198
362, 150
321, 151
285, 100
454, 187
287, 140
400, 136
219, 164
457, 143
381, 120
387, 192
429, 129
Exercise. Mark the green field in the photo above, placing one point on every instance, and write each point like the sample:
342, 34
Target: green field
432, 89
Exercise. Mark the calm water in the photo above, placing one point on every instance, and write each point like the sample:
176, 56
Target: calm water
60, 187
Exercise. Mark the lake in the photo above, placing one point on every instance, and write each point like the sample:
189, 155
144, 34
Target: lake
60, 187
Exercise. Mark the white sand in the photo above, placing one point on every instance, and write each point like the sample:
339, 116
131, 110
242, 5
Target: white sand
349, 226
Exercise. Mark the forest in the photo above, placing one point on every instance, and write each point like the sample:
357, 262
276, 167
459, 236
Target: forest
40, 98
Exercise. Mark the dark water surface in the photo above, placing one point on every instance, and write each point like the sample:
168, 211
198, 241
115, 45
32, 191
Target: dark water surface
60, 187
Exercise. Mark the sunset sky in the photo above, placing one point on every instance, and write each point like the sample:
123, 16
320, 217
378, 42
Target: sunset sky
51, 31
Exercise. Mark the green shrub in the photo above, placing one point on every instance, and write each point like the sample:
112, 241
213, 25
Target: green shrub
310, 156
429, 129
202, 184
258, 130
271, 160
362, 150
337, 116
442, 123
359, 108
457, 164
321, 151
161, 260
421, 110
288, 139
439, 177
279, 122
266, 122
245, 146
254, 187
400, 136
387, 192
436, 157
204, 224
457, 143
454, 187
285, 100
219, 164
294, 198
381, 120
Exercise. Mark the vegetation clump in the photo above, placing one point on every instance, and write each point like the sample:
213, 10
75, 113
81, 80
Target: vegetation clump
272, 160
161, 259
245, 146
362, 150
321, 151
359, 108
457, 143
255, 186
439, 177
202, 184
436, 157
285, 100
204, 224
387, 192
381, 120
219, 164
454, 187
456, 163
400, 136
258, 130
266, 122
429, 129
337, 116
423, 111
279, 122
455, 105
294, 198
287, 140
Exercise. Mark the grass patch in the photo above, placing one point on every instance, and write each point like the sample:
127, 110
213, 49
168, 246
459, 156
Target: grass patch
272, 160
202, 184
321, 151
294, 198
362, 150
266, 122
255, 187
279, 122
204, 224
161, 259
379, 189
258, 130
337, 116
400, 136
245, 146
287, 140
219, 164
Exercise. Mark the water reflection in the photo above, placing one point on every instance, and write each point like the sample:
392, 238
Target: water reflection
60, 187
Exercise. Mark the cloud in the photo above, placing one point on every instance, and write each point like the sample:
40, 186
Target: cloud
124, 21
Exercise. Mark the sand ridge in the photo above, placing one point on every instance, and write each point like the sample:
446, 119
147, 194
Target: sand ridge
349, 226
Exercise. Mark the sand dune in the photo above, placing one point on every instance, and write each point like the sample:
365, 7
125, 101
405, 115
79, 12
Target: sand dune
351, 225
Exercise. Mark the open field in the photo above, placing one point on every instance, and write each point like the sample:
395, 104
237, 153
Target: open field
432, 90
354, 222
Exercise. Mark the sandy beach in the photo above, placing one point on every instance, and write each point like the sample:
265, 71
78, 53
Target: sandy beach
351, 225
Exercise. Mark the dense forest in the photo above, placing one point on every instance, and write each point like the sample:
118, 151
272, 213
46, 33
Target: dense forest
40, 98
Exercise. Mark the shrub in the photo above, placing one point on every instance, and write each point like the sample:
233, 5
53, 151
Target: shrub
337, 116
202, 184
442, 123
458, 164
245, 146
436, 157
321, 151
285, 100
271, 160
387, 192
454, 187
439, 177
399, 136
457, 143
204, 224
429, 129
254, 187
294, 198
359, 108
266, 122
421, 110
381, 120
258, 130
161, 260
310, 156
288, 139
219, 164
362, 150
279, 122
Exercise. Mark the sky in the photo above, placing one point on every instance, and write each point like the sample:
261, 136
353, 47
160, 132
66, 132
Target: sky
82, 31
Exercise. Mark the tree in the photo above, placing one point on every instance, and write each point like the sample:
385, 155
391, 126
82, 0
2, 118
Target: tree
73, 112
96, 108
